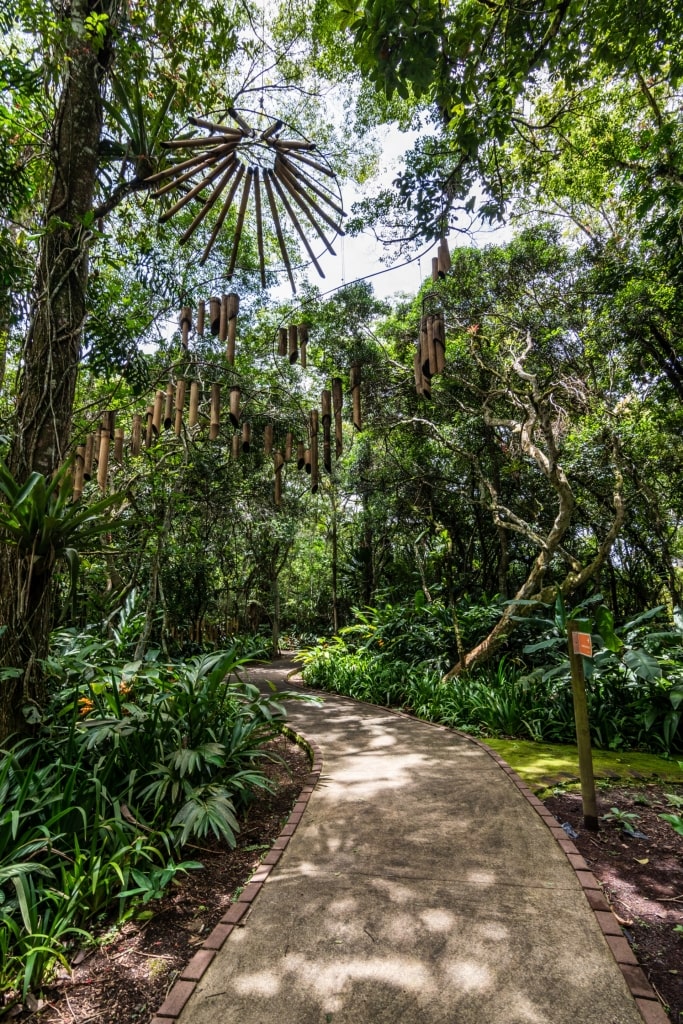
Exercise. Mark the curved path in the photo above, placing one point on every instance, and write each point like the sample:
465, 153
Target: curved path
421, 886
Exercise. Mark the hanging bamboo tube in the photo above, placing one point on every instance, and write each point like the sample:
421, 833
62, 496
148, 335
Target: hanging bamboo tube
223, 214
300, 455
118, 444
235, 446
295, 221
278, 229
258, 214
326, 406
439, 342
168, 407
214, 314
223, 318
431, 347
246, 437
417, 369
355, 396
179, 405
201, 312
232, 306
215, 420
315, 471
268, 439
88, 457
231, 166
435, 268
282, 341
289, 442
337, 408
79, 464
103, 461
109, 421
194, 404
237, 236
303, 343
278, 462
136, 434
149, 434
158, 412
235, 407
444, 258
293, 343
185, 325
307, 460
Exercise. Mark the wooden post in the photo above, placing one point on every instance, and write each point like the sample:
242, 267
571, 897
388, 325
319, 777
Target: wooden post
179, 405
194, 404
118, 444
79, 463
103, 461
136, 434
268, 439
233, 306
583, 736
201, 311
168, 407
235, 407
246, 437
215, 421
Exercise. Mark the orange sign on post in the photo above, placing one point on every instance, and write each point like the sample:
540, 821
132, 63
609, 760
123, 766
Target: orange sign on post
582, 644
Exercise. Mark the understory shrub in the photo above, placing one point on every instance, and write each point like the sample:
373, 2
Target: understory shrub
634, 682
132, 762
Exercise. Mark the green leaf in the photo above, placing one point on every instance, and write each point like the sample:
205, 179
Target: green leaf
643, 664
604, 623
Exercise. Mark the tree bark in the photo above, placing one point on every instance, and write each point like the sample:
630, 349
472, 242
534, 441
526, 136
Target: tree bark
51, 352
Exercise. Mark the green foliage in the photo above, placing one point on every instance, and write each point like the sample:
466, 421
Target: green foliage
675, 820
133, 761
634, 693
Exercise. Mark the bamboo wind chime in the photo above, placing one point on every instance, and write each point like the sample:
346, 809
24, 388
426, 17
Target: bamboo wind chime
430, 353
232, 157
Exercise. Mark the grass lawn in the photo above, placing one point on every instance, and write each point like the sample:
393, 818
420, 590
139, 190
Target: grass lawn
546, 765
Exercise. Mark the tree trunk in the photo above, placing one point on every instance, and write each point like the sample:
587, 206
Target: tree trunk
51, 353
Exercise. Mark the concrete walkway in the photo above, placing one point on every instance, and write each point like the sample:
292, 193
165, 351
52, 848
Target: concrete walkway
422, 887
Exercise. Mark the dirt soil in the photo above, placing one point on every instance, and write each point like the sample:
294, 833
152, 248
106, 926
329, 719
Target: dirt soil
642, 878
125, 978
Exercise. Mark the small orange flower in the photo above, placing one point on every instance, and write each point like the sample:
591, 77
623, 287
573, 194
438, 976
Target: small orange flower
85, 706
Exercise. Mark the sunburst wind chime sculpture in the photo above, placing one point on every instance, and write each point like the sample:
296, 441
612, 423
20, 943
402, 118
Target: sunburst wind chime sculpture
280, 174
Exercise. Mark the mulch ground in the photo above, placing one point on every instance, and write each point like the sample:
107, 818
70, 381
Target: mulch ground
642, 878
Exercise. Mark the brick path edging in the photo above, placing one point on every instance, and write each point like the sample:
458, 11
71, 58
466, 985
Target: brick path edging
237, 913
649, 1006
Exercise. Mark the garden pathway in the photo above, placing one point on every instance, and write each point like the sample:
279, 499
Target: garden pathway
421, 886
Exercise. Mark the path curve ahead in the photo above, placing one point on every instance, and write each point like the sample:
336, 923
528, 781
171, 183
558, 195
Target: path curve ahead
420, 887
